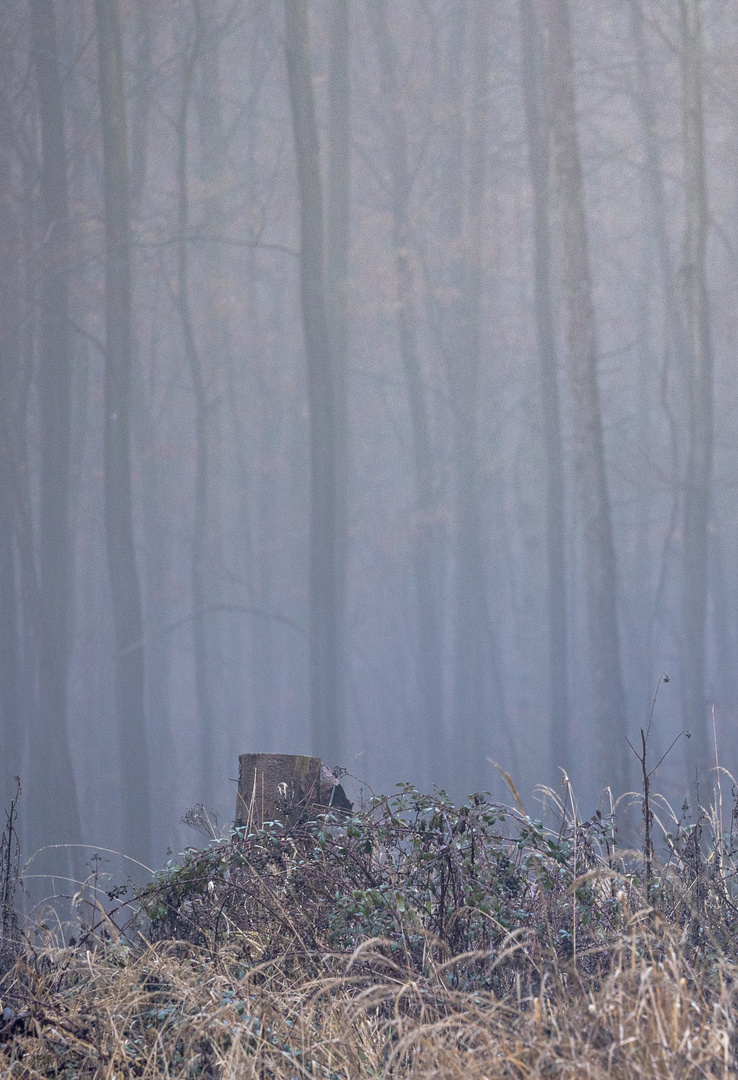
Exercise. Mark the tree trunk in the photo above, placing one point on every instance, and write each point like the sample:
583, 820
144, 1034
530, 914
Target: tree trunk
276, 787
156, 575
430, 670
473, 727
122, 568
156, 556
285, 787
223, 652
198, 575
589, 456
21, 605
338, 240
534, 93
700, 431
259, 498
327, 734
723, 609
54, 816
142, 99
11, 716
657, 209
676, 355
199, 565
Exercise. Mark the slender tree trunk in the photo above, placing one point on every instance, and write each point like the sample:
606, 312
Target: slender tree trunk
338, 240
256, 494
142, 100
534, 93
11, 715
55, 816
430, 671
200, 591
327, 734
157, 568
17, 427
655, 247
472, 713
700, 430
259, 508
676, 356
589, 456
11, 728
122, 568
21, 622
157, 554
657, 209
470, 721
722, 611
223, 653
461, 361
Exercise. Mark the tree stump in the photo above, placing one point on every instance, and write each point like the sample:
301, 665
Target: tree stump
284, 787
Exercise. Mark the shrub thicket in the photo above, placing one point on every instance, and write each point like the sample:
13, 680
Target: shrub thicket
412, 938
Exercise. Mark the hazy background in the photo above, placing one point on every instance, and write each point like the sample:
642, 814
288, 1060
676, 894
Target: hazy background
442, 468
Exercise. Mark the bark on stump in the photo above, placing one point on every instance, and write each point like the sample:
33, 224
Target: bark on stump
284, 787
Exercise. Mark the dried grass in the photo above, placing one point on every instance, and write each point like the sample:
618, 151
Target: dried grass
167, 1010
239, 972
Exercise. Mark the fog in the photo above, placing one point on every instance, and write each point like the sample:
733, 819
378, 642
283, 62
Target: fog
367, 390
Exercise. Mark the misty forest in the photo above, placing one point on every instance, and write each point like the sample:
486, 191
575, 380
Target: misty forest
367, 391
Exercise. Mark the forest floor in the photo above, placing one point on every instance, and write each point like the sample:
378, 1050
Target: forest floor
413, 938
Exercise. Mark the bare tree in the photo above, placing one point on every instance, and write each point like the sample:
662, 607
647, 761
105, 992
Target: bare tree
257, 499
122, 568
430, 670
156, 548
143, 99
675, 365
645, 103
700, 429
215, 348
589, 454
477, 711
338, 244
202, 494
471, 647
21, 625
11, 713
55, 816
327, 734
534, 93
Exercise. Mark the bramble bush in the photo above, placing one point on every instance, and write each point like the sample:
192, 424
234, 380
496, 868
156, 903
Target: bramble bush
438, 882
412, 937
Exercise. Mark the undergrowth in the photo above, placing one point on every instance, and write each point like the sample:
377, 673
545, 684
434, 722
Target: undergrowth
414, 937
